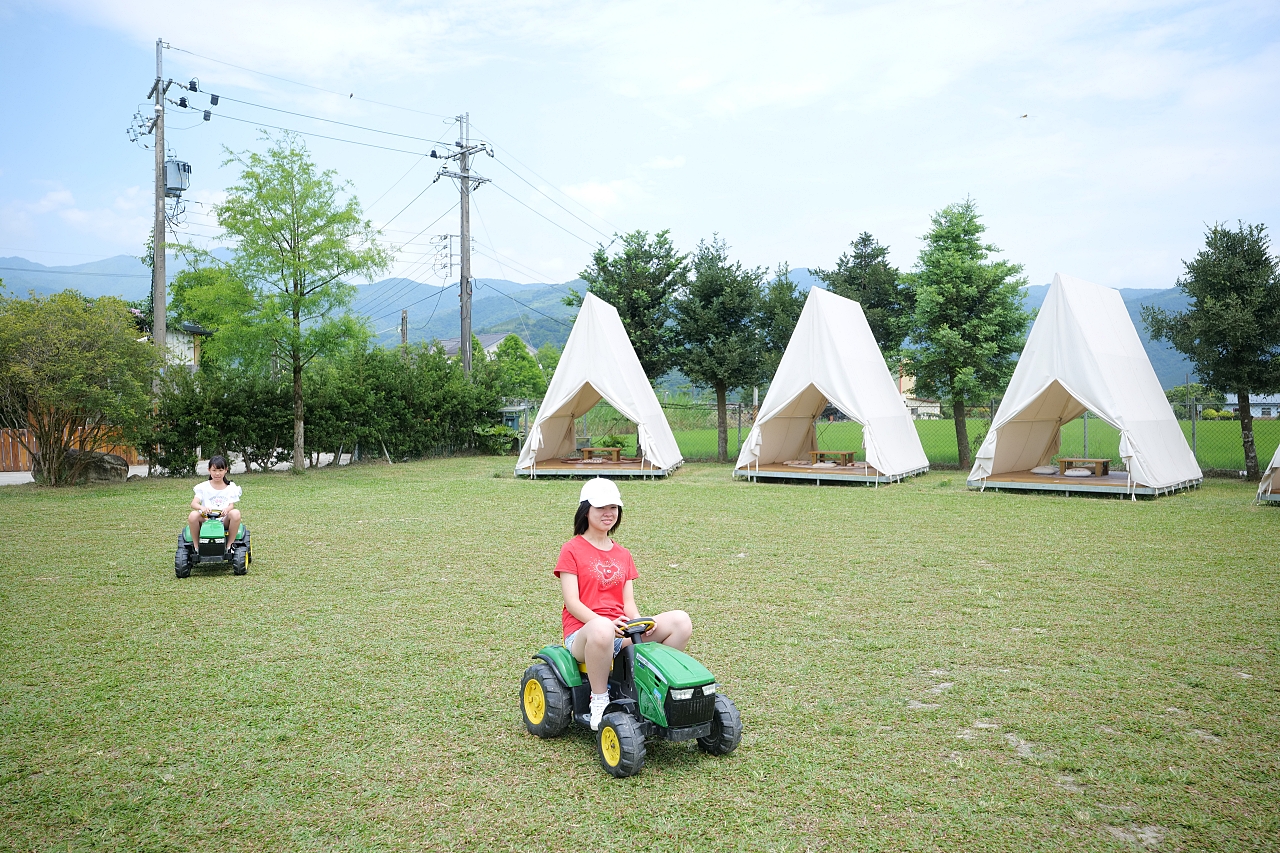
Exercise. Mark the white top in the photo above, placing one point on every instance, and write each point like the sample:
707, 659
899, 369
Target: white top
833, 357
220, 499
598, 363
1083, 353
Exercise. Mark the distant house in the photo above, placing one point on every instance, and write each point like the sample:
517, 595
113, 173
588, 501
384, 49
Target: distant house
920, 408
489, 342
1262, 406
183, 343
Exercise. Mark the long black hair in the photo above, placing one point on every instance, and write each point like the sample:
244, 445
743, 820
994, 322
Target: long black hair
580, 523
220, 461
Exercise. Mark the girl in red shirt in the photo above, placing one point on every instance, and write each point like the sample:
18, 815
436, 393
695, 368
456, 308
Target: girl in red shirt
596, 577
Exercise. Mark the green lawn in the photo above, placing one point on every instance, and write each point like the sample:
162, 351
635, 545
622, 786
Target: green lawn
919, 667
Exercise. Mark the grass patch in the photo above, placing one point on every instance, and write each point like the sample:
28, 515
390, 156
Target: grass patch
918, 667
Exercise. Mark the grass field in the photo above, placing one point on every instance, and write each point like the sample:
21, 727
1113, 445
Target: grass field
919, 667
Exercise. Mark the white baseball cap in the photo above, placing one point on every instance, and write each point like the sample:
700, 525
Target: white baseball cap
600, 492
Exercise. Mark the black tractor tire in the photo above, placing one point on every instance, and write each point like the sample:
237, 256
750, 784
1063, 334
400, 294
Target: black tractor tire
620, 744
545, 704
726, 728
247, 548
182, 559
239, 556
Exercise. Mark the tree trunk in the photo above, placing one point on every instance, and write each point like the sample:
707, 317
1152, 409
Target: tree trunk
722, 425
1246, 434
299, 461
962, 432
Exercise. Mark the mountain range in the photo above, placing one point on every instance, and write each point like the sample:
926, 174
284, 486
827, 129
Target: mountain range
535, 312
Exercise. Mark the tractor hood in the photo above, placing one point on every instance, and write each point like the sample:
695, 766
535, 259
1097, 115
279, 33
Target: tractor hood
673, 667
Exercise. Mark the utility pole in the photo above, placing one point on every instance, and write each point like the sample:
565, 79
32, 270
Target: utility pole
158, 308
467, 182
404, 327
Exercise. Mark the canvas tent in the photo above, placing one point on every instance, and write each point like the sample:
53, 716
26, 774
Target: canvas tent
833, 357
598, 363
1269, 488
1083, 354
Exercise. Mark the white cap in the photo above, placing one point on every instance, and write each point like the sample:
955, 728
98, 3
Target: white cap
600, 492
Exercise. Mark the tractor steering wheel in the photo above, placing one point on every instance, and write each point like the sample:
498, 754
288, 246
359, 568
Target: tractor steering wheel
638, 626
213, 513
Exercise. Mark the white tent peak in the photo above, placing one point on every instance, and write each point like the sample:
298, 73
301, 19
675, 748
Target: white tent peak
1083, 354
833, 357
599, 363
1270, 484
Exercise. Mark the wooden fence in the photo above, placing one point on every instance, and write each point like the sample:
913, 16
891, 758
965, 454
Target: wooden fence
14, 457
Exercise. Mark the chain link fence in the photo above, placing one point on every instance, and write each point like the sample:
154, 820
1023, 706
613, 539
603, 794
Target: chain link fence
1217, 443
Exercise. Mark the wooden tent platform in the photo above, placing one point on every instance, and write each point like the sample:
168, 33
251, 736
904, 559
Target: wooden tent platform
1271, 496
1115, 483
862, 473
605, 468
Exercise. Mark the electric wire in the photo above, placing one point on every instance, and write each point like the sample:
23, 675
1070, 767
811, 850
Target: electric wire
330, 121
347, 95
70, 272
316, 135
552, 200
552, 221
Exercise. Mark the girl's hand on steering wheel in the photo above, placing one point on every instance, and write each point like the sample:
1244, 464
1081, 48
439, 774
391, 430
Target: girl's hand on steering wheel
619, 624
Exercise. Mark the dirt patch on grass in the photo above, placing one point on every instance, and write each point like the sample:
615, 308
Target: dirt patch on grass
1147, 837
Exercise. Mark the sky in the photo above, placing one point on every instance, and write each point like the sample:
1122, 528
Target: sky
1097, 139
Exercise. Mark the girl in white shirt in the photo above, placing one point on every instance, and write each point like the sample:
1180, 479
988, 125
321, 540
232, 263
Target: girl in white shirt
215, 494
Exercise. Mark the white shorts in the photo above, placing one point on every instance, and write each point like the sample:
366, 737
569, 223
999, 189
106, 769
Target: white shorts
568, 643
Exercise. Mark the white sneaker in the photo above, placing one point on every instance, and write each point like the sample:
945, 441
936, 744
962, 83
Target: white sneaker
599, 701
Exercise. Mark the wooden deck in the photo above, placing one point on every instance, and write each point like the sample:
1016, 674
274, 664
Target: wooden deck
1115, 483
1271, 496
861, 473
595, 468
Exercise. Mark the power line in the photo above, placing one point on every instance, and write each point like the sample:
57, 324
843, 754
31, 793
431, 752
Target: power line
396, 184
347, 95
69, 272
331, 121
552, 221
518, 302
552, 200
316, 135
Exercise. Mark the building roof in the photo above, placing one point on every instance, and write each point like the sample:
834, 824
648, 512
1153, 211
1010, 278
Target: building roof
488, 342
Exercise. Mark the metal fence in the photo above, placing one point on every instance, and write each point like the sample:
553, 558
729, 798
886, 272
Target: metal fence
1216, 443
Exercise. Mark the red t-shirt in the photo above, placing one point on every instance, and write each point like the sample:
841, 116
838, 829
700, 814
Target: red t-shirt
601, 578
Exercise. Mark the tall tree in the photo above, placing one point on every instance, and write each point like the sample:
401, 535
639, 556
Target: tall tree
640, 280
1231, 330
74, 376
779, 313
297, 242
969, 322
518, 373
866, 277
718, 327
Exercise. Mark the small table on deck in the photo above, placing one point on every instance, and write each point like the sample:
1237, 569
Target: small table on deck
1101, 467
844, 456
614, 453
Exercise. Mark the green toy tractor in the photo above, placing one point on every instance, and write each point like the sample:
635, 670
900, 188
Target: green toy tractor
655, 691
212, 547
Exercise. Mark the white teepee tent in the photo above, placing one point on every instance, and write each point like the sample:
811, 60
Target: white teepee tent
832, 357
1269, 488
1083, 353
598, 363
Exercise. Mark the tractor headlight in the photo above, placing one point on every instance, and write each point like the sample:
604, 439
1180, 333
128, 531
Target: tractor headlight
681, 695
709, 690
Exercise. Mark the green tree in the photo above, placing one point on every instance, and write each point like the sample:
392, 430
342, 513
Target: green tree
297, 242
1231, 330
215, 298
640, 280
718, 327
549, 359
969, 322
74, 376
866, 277
517, 371
1182, 397
779, 312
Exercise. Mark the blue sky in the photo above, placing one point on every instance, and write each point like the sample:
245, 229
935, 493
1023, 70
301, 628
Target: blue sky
786, 128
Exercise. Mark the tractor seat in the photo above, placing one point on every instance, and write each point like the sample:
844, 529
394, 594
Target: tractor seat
582, 667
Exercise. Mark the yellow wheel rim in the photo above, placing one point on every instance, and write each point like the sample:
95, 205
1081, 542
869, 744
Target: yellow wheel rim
535, 702
609, 746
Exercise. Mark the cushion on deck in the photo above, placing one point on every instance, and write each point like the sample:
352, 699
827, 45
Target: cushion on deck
1045, 469
1078, 472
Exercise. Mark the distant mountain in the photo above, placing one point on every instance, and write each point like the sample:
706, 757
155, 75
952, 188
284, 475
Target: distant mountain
535, 312
1171, 366
122, 275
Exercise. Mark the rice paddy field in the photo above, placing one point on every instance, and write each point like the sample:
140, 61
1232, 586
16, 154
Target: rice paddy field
918, 667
